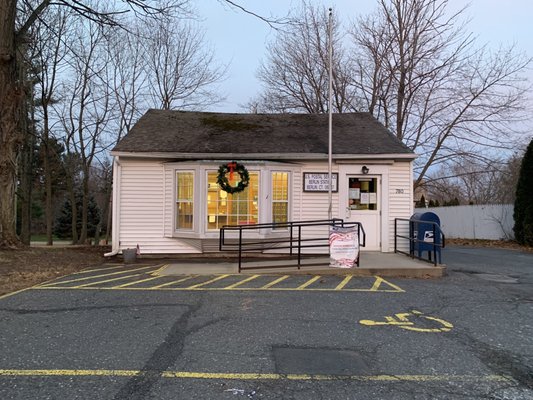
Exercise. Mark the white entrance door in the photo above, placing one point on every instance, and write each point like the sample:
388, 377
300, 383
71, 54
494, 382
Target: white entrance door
360, 201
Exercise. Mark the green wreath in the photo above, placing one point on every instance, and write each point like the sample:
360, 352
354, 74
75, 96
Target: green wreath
231, 167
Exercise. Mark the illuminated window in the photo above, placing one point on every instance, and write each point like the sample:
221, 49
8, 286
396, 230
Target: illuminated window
363, 193
280, 197
232, 209
184, 200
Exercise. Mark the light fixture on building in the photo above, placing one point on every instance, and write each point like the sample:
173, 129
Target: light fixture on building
364, 170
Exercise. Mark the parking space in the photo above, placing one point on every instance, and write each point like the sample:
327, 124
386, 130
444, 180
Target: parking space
127, 332
145, 277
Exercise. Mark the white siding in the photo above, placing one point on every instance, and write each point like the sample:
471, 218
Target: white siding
146, 204
400, 202
169, 202
144, 219
313, 205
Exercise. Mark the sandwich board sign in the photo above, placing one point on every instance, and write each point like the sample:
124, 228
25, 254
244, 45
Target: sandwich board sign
343, 246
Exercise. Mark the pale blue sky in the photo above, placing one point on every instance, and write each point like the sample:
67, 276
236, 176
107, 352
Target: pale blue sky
239, 40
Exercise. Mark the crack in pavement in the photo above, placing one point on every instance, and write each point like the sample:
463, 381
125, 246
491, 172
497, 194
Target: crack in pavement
502, 362
163, 357
86, 308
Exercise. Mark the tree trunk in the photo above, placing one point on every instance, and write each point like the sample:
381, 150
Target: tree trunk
25, 188
74, 220
84, 207
49, 208
72, 195
11, 97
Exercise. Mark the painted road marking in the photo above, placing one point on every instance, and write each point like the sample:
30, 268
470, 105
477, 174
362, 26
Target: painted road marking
274, 282
86, 278
106, 268
380, 281
144, 280
173, 282
241, 282
136, 282
402, 320
253, 376
199, 285
106, 281
308, 283
344, 282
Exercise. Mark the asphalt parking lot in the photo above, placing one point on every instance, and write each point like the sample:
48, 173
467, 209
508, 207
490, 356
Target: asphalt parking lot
129, 333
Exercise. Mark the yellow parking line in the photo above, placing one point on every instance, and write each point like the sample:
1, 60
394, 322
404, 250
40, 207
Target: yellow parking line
379, 281
105, 281
255, 376
208, 282
96, 276
376, 284
85, 271
136, 282
173, 282
158, 271
269, 285
241, 282
309, 282
155, 288
344, 282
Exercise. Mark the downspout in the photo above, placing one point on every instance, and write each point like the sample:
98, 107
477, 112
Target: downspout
115, 224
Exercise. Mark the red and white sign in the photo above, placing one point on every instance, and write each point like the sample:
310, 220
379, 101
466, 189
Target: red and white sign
343, 247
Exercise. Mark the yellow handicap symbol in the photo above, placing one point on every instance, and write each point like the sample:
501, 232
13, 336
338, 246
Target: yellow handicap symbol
403, 320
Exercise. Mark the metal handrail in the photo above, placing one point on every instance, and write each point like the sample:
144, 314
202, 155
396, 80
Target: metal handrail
412, 240
292, 238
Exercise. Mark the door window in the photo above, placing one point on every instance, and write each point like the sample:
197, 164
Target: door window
363, 193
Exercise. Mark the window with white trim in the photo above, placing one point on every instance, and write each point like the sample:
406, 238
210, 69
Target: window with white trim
232, 209
184, 200
280, 197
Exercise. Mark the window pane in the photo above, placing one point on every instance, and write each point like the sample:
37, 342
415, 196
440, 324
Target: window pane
280, 197
279, 212
362, 193
184, 200
232, 209
280, 187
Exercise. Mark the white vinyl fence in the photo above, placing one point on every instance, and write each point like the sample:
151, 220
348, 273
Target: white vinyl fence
491, 222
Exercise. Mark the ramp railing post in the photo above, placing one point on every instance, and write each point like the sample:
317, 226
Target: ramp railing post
299, 245
240, 249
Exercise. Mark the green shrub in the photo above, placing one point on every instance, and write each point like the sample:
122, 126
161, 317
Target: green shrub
523, 205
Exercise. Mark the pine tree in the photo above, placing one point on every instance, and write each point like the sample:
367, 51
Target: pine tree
523, 206
63, 226
421, 203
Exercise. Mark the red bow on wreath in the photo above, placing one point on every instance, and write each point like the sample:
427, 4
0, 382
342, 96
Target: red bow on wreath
231, 166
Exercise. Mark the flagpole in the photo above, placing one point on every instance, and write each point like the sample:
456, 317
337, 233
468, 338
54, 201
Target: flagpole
330, 135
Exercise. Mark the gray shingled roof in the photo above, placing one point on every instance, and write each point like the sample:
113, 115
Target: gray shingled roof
216, 133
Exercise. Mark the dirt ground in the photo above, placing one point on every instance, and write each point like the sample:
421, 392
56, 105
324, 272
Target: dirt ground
502, 244
29, 266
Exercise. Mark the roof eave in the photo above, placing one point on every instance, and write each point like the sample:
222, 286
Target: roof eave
262, 156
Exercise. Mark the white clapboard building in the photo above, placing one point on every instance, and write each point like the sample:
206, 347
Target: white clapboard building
166, 198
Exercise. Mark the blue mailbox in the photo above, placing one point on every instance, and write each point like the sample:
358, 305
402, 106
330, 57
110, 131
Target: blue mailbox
426, 235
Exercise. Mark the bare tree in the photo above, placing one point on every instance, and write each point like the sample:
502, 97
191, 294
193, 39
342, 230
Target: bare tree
476, 182
180, 70
86, 113
49, 48
16, 18
128, 77
422, 76
295, 74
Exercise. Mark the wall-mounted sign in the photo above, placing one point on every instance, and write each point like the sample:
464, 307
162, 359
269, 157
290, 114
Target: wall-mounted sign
319, 181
